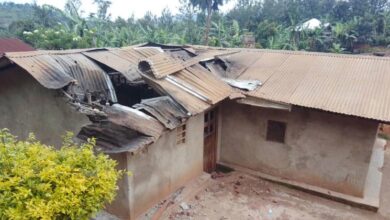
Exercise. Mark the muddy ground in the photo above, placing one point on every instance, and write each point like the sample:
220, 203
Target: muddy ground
239, 196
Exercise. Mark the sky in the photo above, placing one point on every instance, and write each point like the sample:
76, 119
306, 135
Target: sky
123, 8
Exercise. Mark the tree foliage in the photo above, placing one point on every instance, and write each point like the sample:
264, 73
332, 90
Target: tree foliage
348, 25
39, 182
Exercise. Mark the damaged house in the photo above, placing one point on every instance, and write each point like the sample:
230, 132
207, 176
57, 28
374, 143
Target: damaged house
170, 113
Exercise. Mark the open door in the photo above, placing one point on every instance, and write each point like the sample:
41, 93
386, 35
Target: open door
210, 140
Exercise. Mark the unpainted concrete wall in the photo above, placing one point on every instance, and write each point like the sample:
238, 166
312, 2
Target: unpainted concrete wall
26, 106
120, 207
322, 149
165, 166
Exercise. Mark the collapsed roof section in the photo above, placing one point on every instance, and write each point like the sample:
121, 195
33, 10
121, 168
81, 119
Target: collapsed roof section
134, 119
191, 79
86, 78
167, 111
123, 60
113, 138
58, 70
191, 85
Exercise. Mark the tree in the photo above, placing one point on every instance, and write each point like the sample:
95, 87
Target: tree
188, 26
103, 6
72, 8
207, 6
40, 182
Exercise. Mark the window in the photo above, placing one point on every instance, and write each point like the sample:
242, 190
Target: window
276, 131
181, 134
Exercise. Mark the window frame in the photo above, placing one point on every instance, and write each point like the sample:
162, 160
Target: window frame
181, 134
276, 131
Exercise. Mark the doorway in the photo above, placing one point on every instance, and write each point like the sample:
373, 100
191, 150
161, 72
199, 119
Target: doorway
210, 140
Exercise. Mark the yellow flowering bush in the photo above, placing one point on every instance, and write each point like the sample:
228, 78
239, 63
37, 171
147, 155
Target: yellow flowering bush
40, 182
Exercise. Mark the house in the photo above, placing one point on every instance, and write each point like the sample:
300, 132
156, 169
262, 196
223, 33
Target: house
13, 45
168, 113
312, 123
100, 93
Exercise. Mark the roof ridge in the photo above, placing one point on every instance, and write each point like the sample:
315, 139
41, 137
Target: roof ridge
22, 54
295, 52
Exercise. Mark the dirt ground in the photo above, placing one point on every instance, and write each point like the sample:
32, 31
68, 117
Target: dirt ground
239, 196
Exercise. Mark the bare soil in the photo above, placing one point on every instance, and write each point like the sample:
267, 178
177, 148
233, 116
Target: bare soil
240, 196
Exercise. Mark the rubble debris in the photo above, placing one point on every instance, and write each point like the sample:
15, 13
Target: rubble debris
184, 206
216, 175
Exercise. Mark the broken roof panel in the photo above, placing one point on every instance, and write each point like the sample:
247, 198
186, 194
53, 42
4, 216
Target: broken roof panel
113, 138
194, 88
45, 69
123, 60
188, 101
160, 65
247, 85
164, 109
147, 51
134, 119
54, 70
117, 63
88, 75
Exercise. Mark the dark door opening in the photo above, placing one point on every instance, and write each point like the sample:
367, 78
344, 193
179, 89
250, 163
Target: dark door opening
210, 140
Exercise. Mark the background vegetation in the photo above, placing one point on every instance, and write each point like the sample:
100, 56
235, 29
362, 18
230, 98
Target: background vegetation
351, 26
39, 182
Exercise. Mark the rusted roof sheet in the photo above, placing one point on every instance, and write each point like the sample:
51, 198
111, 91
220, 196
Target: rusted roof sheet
88, 75
194, 88
45, 69
134, 119
163, 64
160, 65
147, 51
55, 70
113, 138
347, 84
165, 110
209, 55
116, 62
13, 45
123, 60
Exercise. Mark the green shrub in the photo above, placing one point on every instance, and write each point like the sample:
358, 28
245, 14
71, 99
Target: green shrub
40, 182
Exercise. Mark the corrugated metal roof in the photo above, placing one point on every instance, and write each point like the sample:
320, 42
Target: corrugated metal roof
45, 69
160, 65
13, 45
113, 138
164, 109
55, 70
123, 60
163, 64
134, 119
117, 63
194, 88
147, 51
348, 84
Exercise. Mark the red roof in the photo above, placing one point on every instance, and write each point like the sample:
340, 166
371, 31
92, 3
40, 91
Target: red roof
13, 45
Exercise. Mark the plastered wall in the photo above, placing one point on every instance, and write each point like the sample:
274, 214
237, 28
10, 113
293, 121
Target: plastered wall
322, 149
165, 166
26, 106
